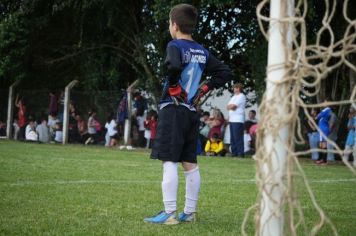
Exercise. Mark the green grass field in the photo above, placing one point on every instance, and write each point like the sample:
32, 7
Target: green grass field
79, 190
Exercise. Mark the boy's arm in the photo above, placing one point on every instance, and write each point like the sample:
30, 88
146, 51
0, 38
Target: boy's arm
220, 147
173, 64
207, 146
220, 74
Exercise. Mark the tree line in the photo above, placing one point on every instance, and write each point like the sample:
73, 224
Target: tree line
108, 44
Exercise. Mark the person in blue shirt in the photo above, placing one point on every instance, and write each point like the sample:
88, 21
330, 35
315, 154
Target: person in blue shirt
354, 149
323, 125
178, 121
349, 144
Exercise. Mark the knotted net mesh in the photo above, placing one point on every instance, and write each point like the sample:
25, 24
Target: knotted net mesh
307, 66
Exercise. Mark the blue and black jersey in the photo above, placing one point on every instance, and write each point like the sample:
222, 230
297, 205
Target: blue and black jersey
324, 117
186, 61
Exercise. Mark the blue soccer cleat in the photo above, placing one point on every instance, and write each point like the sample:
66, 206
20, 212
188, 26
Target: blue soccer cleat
187, 217
163, 218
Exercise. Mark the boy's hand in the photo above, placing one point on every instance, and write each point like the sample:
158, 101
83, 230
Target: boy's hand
177, 93
204, 89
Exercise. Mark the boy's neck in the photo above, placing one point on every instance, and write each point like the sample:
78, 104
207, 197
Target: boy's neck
181, 35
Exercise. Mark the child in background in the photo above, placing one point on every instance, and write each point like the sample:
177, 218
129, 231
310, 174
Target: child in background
247, 141
323, 124
153, 128
350, 135
58, 133
215, 146
147, 133
43, 131
30, 132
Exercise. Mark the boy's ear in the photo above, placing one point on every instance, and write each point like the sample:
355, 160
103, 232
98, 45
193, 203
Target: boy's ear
175, 26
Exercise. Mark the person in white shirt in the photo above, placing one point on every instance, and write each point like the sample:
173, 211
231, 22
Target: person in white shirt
112, 131
58, 133
247, 143
236, 108
30, 132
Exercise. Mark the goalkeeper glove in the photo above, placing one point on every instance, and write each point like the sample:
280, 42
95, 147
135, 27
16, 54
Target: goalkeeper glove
177, 94
204, 89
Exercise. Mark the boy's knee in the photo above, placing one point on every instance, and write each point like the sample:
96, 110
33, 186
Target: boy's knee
187, 166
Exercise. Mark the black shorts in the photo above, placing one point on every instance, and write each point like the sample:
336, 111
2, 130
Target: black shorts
177, 135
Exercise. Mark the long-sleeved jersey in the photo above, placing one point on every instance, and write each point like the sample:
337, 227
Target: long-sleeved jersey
324, 117
186, 61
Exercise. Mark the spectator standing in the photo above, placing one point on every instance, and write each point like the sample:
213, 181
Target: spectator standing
236, 108
16, 128
107, 136
148, 129
349, 144
21, 116
313, 135
82, 129
140, 106
112, 131
2, 129
323, 124
43, 131
91, 127
354, 149
122, 114
53, 103
334, 128
153, 127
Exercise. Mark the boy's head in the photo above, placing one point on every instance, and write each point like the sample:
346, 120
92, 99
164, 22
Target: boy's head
252, 114
183, 18
215, 137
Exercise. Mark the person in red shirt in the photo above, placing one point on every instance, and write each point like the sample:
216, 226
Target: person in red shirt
153, 127
21, 114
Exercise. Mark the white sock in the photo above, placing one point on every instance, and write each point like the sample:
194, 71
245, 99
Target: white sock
170, 186
192, 187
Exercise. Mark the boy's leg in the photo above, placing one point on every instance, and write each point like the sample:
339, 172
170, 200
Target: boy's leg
330, 153
170, 186
192, 176
169, 192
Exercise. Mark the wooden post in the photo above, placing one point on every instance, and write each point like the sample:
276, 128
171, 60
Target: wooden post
66, 110
127, 129
10, 110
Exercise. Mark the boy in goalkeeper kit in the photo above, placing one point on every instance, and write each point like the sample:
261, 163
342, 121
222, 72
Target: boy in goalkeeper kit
178, 121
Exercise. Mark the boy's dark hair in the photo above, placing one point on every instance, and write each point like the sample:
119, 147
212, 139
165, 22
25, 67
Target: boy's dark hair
215, 136
206, 113
185, 16
253, 111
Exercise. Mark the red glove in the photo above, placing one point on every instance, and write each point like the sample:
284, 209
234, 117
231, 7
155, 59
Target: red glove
204, 89
178, 93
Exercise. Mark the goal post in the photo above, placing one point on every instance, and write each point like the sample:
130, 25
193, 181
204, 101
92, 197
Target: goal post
275, 136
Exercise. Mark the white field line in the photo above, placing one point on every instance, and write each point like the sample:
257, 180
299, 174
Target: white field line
81, 182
